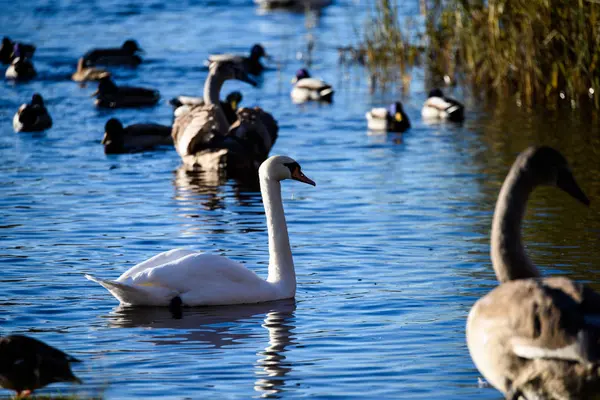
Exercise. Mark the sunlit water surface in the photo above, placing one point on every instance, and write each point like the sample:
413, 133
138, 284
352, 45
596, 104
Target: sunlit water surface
390, 247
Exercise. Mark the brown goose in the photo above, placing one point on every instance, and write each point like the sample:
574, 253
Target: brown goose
532, 337
133, 138
27, 364
194, 127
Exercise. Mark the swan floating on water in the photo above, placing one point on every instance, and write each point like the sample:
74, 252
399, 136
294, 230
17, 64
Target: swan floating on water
185, 277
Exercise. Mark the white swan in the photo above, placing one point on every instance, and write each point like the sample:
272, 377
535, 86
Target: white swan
196, 279
532, 337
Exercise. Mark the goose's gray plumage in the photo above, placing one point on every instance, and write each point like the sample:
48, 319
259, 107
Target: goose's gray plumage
533, 337
32, 117
84, 73
109, 95
133, 138
127, 54
27, 364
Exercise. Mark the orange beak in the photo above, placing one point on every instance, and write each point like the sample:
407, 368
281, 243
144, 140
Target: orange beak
299, 176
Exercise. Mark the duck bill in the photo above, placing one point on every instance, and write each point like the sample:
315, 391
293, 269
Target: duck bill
297, 175
567, 182
234, 105
398, 117
105, 139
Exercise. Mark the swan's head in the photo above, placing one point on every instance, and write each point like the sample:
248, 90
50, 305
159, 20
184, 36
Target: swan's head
283, 167
228, 70
546, 166
436, 93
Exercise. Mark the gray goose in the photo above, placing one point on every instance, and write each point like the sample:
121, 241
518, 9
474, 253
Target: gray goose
533, 337
27, 364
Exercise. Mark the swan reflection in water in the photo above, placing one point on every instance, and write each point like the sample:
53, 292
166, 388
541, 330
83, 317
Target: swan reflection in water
216, 326
208, 188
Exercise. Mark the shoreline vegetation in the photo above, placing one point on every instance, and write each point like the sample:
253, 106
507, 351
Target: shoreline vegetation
536, 51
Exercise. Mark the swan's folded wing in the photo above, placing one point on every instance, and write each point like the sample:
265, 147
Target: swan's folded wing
194, 129
159, 259
197, 272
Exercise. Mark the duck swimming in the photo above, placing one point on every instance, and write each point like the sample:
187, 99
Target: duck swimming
84, 73
310, 89
251, 64
7, 50
437, 106
391, 119
134, 138
27, 364
32, 117
127, 54
191, 278
534, 337
109, 95
21, 69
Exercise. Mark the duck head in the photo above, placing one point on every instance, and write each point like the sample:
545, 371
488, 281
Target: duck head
257, 51
436, 93
113, 132
228, 70
37, 100
105, 86
132, 47
234, 99
283, 167
302, 73
396, 112
546, 166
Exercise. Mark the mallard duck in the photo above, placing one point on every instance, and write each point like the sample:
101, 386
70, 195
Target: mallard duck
27, 364
109, 95
534, 337
84, 73
124, 55
250, 64
310, 89
229, 106
21, 69
391, 119
437, 106
7, 50
133, 138
32, 117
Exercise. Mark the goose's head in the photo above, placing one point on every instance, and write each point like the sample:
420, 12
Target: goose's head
546, 166
113, 131
37, 100
234, 99
436, 93
131, 46
105, 86
257, 51
396, 111
228, 70
283, 167
302, 73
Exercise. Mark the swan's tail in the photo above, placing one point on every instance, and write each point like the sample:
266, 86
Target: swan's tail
136, 295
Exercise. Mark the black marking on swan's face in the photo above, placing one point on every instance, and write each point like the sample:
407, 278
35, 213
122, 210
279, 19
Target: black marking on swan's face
293, 167
296, 173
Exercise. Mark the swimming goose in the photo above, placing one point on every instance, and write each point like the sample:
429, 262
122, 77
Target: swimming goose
21, 69
133, 138
7, 50
391, 119
27, 364
193, 128
533, 337
307, 88
250, 64
183, 104
191, 278
84, 73
109, 95
32, 117
437, 106
128, 54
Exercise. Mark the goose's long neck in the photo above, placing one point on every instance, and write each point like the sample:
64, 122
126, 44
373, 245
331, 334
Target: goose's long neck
508, 254
212, 90
281, 264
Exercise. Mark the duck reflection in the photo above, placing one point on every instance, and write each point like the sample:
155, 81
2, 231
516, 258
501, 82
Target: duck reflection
207, 188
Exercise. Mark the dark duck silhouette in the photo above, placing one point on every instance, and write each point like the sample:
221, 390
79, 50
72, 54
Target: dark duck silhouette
32, 117
27, 364
128, 54
109, 95
251, 64
7, 50
134, 138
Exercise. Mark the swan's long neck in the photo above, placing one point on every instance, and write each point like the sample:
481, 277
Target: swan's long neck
212, 90
281, 264
508, 254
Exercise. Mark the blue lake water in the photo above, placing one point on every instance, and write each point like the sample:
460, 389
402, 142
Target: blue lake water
391, 246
